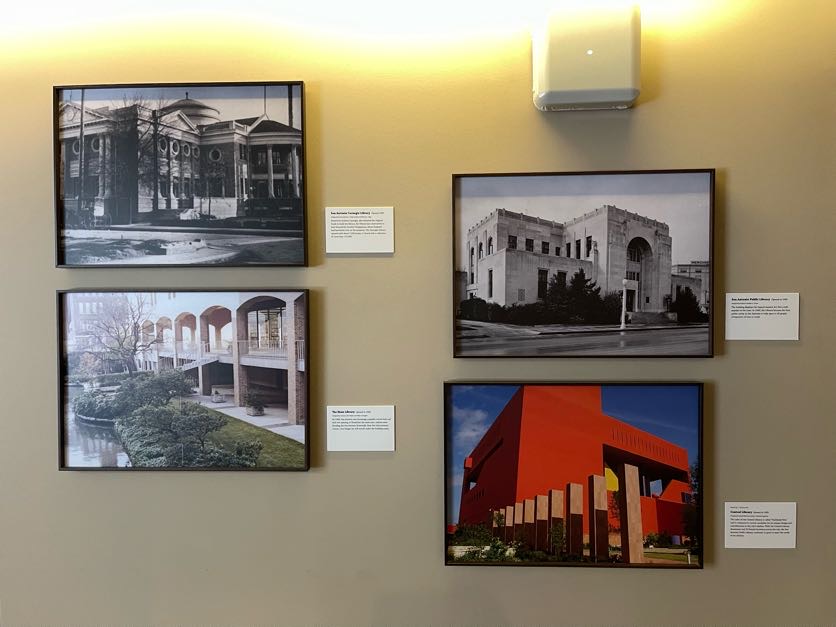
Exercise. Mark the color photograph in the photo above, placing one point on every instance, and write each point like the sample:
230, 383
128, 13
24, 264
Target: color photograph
573, 474
583, 264
180, 175
186, 380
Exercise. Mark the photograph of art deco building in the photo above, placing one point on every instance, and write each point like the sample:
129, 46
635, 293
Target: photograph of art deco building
613, 466
194, 173
523, 240
233, 351
512, 256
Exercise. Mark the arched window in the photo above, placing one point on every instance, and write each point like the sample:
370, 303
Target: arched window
481, 250
490, 246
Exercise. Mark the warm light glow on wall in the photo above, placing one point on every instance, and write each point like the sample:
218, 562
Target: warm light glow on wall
362, 26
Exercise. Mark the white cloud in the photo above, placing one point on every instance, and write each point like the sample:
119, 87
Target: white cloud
471, 425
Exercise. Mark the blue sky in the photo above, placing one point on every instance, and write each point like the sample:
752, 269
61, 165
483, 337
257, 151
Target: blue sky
670, 412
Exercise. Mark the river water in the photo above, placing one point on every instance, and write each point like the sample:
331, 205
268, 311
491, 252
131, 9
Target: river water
88, 446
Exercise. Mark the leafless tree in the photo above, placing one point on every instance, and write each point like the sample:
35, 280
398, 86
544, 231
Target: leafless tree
118, 328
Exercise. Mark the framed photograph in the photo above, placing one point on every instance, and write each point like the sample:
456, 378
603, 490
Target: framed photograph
180, 174
183, 380
573, 474
583, 264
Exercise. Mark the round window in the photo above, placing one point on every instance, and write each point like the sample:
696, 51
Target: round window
215, 154
197, 151
76, 147
162, 144
175, 147
95, 144
187, 149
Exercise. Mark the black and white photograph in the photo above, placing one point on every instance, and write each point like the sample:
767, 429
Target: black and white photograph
183, 380
583, 264
180, 175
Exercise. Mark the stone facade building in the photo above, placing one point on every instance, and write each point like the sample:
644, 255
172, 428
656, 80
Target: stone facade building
700, 273
511, 257
136, 163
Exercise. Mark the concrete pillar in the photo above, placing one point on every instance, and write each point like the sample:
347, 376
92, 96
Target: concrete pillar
270, 193
508, 530
557, 517
574, 519
169, 202
108, 165
297, 188
494, 517
598, 524
296, 365
541, 523
204, 334
204, 380
240, 378
219, 341
62, 180
529, 534
518, 521
630, 510
102, 167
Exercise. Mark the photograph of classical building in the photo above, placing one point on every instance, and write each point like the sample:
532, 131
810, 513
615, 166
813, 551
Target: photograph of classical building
580, 473
236, 361
180, 174
560, 253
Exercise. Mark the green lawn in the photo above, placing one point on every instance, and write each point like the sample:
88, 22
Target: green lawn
674, 557
278, 451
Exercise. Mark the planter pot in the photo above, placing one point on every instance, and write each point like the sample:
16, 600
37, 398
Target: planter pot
252, 411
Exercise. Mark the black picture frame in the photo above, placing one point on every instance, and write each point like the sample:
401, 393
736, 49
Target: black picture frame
246, 351
520, 241
525, 448
180, 174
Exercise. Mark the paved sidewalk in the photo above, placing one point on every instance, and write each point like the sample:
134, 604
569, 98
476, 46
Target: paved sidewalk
473, 328
274, 418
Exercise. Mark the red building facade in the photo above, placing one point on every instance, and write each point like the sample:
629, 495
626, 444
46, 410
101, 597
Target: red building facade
549, 437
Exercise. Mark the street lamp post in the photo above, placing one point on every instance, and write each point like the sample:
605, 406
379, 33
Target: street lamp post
623, 304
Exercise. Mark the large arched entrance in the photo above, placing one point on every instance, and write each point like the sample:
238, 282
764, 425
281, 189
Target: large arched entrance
639, 275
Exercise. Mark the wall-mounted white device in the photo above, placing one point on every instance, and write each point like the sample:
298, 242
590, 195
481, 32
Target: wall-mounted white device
587, 57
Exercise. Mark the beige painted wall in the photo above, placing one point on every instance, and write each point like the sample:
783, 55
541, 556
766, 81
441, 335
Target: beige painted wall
358, 539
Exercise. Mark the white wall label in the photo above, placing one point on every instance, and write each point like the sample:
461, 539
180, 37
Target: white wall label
359, 229
760, 525
768, 316
361, 428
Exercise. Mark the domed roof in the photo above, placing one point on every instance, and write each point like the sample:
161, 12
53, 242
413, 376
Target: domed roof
199, 112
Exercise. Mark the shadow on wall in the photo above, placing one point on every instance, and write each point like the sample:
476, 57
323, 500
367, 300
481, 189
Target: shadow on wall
604, 137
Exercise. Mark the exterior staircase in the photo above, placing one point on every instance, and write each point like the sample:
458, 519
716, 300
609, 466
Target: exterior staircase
652, 317
197, 363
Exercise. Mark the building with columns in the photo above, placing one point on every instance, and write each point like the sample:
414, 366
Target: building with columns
140, 163
228, 342
511, 257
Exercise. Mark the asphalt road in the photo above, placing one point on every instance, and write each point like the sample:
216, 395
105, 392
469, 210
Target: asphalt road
673, 341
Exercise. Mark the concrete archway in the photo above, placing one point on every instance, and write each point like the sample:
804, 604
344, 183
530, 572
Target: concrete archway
640, 275
213, 322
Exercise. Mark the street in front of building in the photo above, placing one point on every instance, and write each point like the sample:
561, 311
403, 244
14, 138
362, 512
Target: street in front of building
475, 339
173, 246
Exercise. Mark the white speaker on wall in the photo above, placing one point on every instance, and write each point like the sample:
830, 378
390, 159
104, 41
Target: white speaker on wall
587, 56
